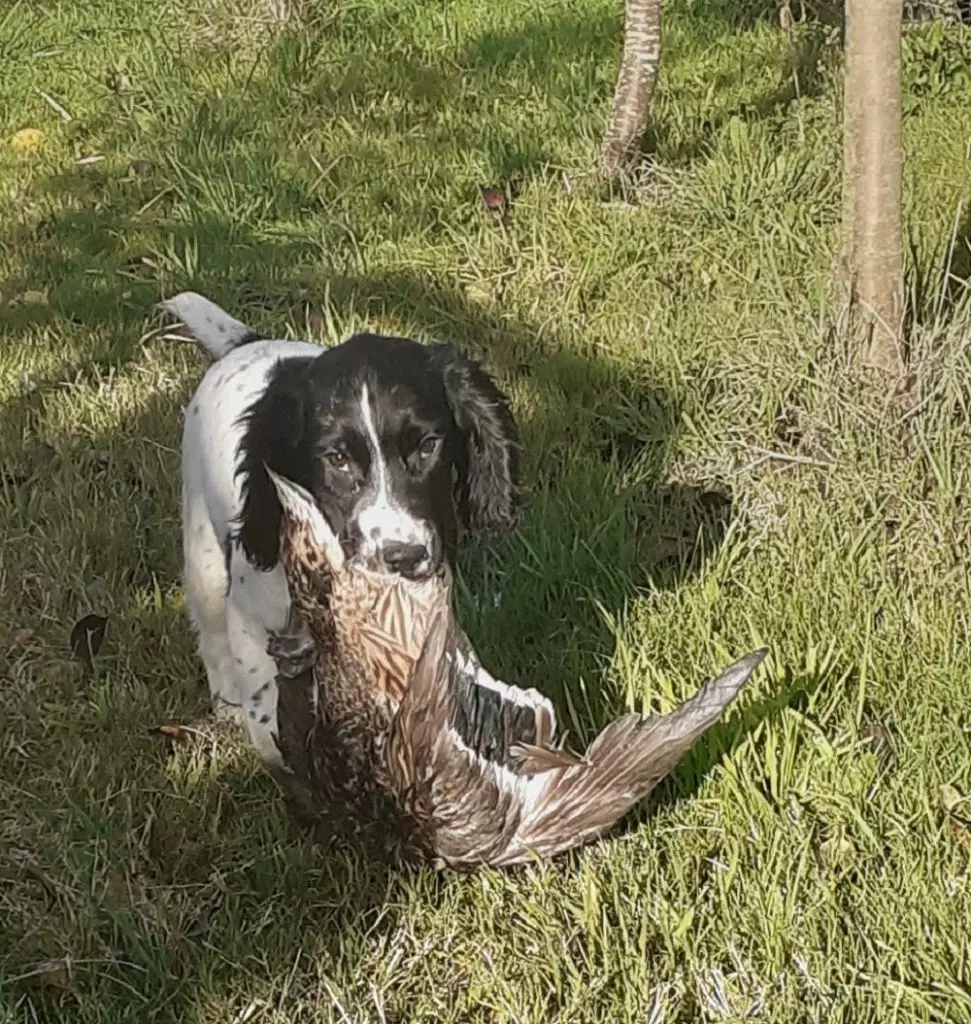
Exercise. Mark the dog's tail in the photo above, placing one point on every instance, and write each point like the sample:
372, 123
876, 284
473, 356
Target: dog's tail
213, 328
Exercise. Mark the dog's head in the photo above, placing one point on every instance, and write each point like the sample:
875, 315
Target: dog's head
399, 444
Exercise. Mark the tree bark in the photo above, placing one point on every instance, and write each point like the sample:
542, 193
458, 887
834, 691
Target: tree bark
635, 83
872, 257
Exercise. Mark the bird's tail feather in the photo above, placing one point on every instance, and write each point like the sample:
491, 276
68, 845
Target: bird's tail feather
569, 806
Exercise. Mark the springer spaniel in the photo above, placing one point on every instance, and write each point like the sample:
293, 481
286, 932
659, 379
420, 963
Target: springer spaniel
398, 443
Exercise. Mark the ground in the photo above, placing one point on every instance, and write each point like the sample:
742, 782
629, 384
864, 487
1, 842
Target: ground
704, 475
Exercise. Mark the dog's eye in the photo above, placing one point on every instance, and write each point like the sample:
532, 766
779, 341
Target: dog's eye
336, 458
429, 446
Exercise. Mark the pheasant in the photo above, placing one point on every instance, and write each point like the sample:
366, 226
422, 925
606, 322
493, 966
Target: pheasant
389, 725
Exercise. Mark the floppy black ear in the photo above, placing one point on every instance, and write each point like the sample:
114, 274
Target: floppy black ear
488, 469
274, 429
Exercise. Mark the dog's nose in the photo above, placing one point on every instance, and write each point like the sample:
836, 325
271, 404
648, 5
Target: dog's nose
409, 560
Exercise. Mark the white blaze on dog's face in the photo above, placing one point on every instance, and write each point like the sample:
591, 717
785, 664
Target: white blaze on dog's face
388, 532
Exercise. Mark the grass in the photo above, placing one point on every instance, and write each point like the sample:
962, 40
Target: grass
704, 476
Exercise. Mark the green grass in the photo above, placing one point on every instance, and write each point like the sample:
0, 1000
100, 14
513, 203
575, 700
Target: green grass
703, 477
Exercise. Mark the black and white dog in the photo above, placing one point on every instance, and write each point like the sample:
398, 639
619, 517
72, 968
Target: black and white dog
400, 444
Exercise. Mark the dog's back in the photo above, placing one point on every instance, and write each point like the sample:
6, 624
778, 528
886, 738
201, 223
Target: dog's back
212, 429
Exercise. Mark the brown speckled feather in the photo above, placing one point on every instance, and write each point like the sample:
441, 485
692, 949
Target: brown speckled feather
396, 725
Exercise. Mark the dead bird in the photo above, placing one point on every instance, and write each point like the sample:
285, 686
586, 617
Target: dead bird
388, 721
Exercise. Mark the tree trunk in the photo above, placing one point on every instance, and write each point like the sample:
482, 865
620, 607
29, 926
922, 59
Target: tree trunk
872, 258
635, 83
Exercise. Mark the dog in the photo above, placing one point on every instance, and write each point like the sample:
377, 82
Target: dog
403, 446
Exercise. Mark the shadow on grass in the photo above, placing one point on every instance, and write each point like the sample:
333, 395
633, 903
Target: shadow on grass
937, 286
146, 874
959, 271
802, 73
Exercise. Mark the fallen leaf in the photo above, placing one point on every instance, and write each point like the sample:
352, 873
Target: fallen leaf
950, 798
876, 735
52, 976
87, 636
176, 732
27, 140
961, 830
316, 321
493, 198
29, 298
905, 385
837, 852
23, 636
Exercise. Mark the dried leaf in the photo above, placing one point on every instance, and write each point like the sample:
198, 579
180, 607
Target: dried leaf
27, 140
32, 297
906, 385
876, 735
950, 798
176, 732
493, 198
837, 853
87, 636
23, 636
316, 321
961, 830
52, 976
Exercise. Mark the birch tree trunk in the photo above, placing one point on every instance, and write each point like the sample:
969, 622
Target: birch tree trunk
872, 257
635, 83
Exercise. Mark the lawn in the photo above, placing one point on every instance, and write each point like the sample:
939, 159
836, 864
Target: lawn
703, 475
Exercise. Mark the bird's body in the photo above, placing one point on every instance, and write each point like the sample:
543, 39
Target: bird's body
389, 725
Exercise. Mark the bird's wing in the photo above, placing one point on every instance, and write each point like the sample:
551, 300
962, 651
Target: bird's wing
495, 720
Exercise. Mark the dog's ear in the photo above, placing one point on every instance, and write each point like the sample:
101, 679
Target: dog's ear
488, 464
273, 430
